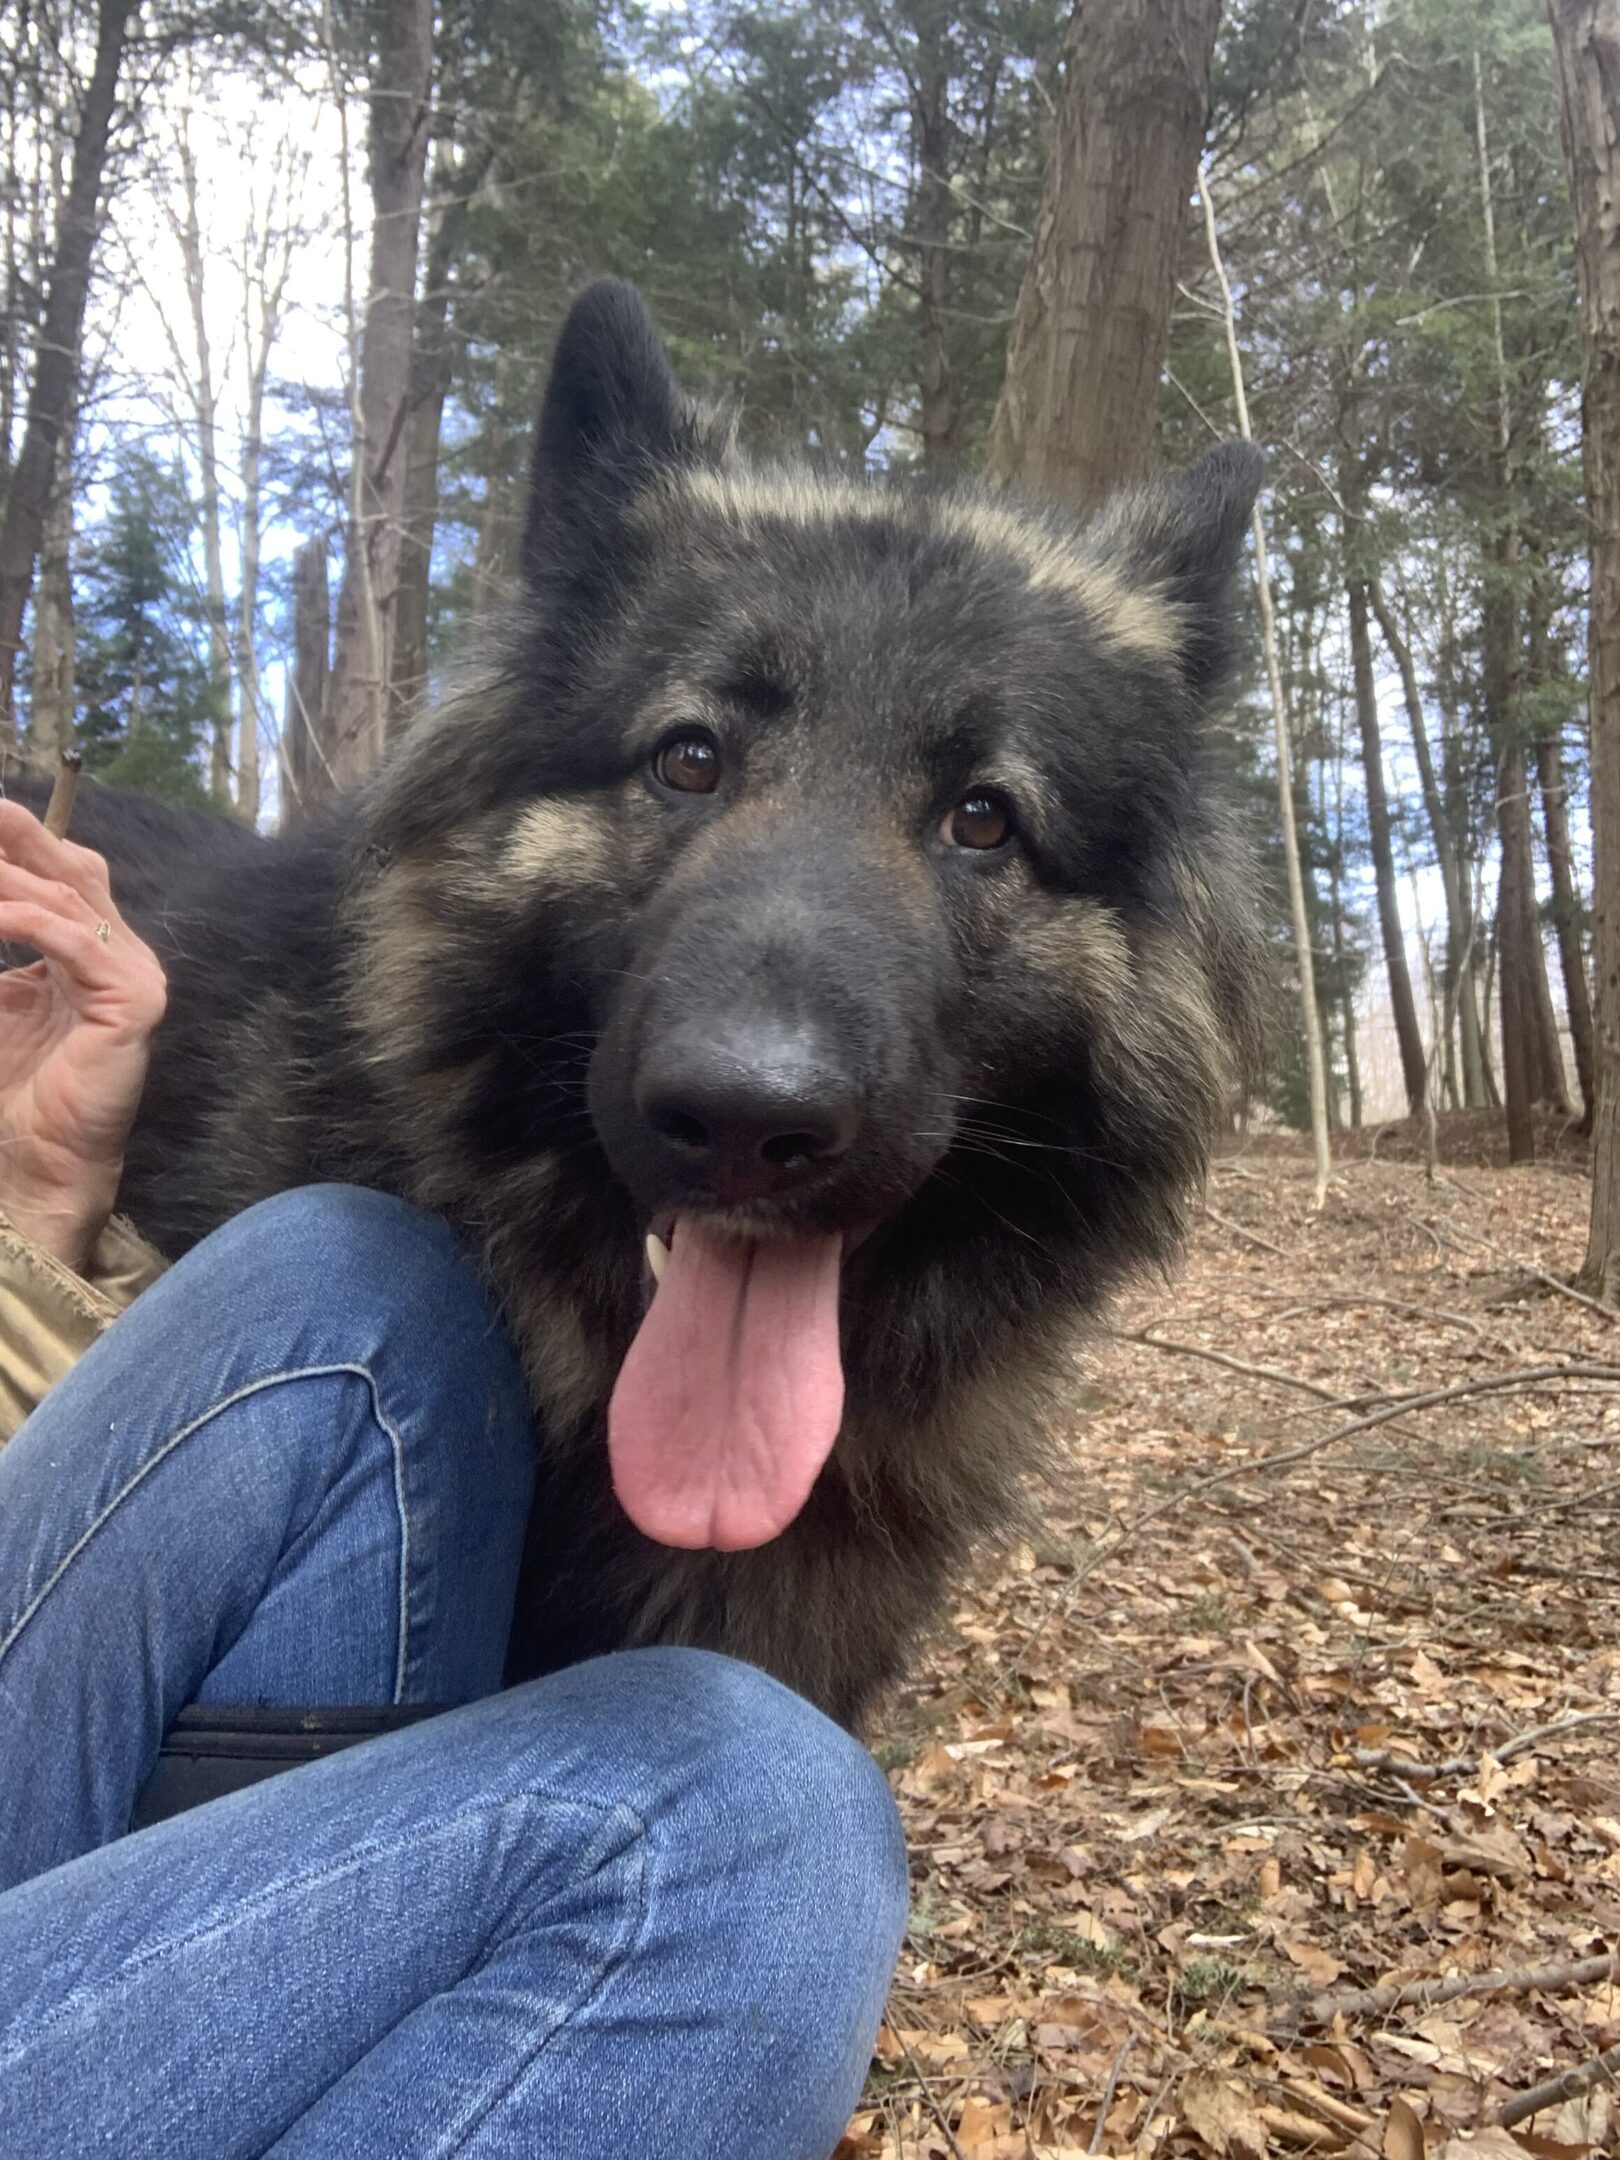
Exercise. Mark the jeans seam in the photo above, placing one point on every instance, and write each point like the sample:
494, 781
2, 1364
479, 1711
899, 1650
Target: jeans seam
161, 1454
277, 1893
457, 2136
397, 1444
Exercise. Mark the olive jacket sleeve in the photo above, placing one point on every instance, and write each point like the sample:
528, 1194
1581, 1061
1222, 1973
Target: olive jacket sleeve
49, 1316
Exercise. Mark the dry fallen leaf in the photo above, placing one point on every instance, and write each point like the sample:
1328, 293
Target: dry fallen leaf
1403, 2133
1224, 2115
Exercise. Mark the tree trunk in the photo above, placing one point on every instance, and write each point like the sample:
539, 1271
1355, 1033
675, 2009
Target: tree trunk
454, 188
1310, 1021
56, 363
189, 232
1567, 920
1521, 1046
54, 698
398, 132
1076, 411
1414, 1064
304, 779
932, 213
429, 385
1586, 36
1457, 981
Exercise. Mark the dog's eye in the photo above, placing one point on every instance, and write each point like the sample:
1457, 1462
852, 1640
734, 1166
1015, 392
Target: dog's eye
688, 762
979, 821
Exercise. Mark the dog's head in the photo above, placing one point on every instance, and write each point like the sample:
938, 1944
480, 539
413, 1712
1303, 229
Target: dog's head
842, 866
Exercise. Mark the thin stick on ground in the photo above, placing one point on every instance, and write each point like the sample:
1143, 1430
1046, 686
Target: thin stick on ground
1108, 2093
1430, 1994
1492, 1384
928, 2093
1541, 1274
1466, 1765
1240, 1230
1569, 2086
1270, 1373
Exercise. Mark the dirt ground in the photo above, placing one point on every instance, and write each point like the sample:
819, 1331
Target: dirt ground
1308, 1685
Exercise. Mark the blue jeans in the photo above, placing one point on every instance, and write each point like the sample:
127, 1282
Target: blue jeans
648, 1905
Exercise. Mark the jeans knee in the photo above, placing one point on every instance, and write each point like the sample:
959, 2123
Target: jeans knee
798, 1788
807, 1818
347, 1261
319, 1239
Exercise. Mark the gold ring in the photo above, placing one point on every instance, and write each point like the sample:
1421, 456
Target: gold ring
104, 931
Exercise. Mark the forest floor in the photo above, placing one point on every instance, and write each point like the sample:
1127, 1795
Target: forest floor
1308, 1686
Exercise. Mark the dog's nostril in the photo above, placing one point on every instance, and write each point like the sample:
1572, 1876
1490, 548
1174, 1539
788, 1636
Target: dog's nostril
787, 1150
678, 1125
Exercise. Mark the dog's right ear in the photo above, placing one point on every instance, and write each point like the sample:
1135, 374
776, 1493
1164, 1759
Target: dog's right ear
613, 417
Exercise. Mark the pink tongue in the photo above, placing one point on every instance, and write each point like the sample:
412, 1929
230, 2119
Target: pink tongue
729, 1401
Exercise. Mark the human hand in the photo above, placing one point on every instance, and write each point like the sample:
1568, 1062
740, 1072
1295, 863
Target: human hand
75, 1033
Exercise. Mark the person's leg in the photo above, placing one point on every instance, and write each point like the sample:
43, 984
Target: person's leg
648, 1905
296, 1471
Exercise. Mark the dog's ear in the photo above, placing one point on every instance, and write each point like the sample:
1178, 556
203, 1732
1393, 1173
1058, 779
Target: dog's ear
613, 416
1184, 537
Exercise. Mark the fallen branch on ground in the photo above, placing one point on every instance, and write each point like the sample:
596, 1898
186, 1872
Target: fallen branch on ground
1541, 1274
1569, 2086
1466, 1765
1533, 1376
1430, 1994
1239, 1230
1272, 1373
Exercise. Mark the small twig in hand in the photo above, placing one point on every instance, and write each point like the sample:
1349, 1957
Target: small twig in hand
1569, 2086
1109, 2090
60, 807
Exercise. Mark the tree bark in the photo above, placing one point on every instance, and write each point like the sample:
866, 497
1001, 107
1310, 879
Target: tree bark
1075, 416
56, 364
1586, 38
188, 231
939, 401
1567, 920
1457, 982
362, 659
454, 189
1414, 1063
1310, 1019
305, 781
54, 696
1521, 1059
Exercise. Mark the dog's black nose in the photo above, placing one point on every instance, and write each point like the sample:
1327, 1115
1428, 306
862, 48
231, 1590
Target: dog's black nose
746, 1111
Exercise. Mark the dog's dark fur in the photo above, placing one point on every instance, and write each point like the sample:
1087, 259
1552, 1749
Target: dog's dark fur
448, 990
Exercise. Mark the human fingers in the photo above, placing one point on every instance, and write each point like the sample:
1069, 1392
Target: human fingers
101, 956
73, 945
24, 841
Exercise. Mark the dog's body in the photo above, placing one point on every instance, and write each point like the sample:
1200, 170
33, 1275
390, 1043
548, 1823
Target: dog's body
831, 874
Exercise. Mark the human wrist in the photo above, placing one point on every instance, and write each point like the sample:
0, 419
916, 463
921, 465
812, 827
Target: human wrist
64, 1221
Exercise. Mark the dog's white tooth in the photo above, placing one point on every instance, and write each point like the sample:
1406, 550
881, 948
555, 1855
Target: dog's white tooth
657, 1255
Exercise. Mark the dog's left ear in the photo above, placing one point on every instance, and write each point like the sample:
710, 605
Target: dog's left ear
1184, 536
613, 416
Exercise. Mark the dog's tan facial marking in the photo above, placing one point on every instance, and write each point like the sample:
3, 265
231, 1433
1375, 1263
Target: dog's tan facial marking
1130, 620
555, 845
1082, 945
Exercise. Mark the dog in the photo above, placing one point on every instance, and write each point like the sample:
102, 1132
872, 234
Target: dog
807, 957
